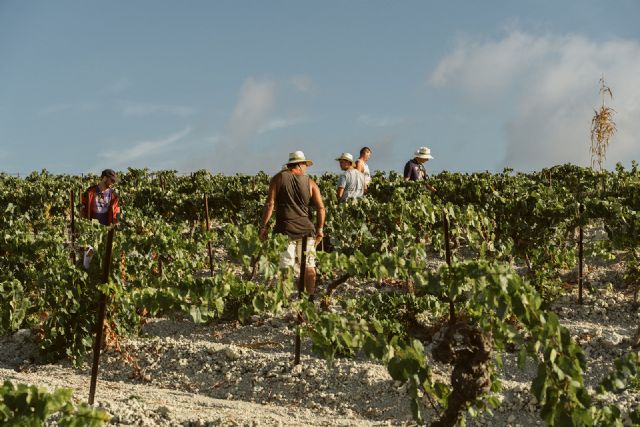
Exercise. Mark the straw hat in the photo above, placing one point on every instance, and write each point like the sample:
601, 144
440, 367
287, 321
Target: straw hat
423, 153
298, 157
346, 156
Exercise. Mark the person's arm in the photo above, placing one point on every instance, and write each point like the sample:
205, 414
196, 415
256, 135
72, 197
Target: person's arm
407, 170
342, 183
115, 208
316, 198
360, 166
84, 201
426, 182
268, 206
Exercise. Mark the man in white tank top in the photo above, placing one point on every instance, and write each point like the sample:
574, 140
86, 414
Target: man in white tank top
363, 167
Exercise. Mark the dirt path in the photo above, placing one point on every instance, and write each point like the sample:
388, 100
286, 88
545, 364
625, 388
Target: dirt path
195, 375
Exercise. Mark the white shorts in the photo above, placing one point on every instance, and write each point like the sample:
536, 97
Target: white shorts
292, 254
88, 256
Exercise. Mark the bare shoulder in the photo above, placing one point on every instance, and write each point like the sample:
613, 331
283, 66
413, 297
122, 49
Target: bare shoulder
276, 178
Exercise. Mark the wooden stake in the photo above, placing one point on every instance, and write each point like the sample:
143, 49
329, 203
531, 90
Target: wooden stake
580, 254
73, 227
102, 308
206, 212
303, 271
447, 252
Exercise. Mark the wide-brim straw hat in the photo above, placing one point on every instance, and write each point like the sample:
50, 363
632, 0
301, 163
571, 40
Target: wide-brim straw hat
346, 156
423, 153
298, 157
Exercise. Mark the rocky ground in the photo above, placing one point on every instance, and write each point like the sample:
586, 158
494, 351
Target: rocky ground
233, 375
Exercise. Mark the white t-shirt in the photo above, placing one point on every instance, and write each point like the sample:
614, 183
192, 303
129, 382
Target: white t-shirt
352, 181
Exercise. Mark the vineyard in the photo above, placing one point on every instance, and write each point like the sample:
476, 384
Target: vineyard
433, 301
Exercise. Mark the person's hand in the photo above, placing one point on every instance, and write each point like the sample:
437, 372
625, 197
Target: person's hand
319, 236
263, 233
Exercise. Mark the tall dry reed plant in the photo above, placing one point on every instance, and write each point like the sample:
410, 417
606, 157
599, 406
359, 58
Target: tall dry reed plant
602, 128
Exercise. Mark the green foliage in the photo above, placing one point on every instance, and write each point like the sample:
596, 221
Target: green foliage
12, 296
626, 374
399, 314
333, 334
24, 405
391, 236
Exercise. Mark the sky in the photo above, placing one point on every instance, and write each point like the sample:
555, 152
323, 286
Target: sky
234, 86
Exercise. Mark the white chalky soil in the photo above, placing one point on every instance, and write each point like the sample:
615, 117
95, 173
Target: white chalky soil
232, 375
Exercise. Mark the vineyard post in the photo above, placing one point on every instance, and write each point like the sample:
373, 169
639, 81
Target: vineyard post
303, 271
102, 307
580, 253
73, 227
447, 252
206, 212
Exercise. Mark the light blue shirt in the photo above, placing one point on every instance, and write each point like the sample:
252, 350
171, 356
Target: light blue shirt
352, 181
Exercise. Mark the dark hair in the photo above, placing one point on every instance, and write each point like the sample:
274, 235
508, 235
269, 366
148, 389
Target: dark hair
110, 173
364, 149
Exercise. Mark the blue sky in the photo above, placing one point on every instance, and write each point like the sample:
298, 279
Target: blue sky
234, 86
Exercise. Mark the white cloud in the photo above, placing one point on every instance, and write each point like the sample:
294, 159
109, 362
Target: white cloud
280, 123
147, 148
246, 145
484, 67
138, 109
380, 121
252, 111
303, 83
550, 85
251, 115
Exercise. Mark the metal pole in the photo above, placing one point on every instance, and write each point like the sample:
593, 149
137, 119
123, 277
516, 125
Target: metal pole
303, 270
206, 211
580, 254
447, 251
102, 307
